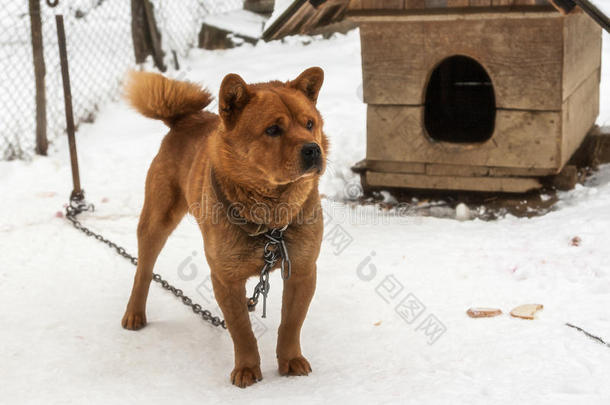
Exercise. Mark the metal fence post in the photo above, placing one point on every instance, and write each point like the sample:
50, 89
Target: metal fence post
65, 76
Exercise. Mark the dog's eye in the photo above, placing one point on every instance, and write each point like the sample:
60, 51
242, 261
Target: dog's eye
309, 124
273, 130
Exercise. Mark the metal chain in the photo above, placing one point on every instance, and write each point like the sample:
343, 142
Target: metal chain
275, 249
78, 205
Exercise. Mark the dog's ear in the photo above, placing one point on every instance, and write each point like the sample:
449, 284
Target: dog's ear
233, 98
309, 82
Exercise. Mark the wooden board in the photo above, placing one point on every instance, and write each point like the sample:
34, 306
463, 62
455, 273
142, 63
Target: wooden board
480, 3
382, 4
595, 150
441, 169
301, 17
581, 51
579, 114
522, 54
436, 4
390, 166
458, 3
592, 8
415, 4
393, 62
538, 143
419, 181
522, 139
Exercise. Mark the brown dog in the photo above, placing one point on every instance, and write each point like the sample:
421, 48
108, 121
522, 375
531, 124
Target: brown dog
263, 156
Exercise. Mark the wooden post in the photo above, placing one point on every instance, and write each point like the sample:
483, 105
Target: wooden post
264, 7
39, 77
139, 31
145, 34
155, 36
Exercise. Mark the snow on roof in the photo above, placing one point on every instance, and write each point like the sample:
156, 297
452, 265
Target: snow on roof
278, 9
240, 22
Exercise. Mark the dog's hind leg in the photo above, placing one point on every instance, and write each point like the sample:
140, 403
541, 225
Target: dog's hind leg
164, 207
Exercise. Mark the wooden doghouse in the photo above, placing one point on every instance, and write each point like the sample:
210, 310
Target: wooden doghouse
481, 95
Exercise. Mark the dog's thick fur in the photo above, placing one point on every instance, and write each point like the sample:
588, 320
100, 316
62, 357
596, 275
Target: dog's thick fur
253, 169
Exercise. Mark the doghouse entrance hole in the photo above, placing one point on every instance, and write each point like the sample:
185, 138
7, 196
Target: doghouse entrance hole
460, 102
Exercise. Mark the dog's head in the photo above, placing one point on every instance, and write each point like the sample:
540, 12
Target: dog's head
272, 131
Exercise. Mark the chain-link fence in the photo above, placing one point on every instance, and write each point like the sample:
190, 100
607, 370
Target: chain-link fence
17, 94
100, 51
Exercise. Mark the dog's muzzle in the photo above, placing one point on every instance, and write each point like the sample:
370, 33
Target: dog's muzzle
311, 156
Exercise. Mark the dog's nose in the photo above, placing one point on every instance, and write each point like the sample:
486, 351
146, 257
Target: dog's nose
311, 155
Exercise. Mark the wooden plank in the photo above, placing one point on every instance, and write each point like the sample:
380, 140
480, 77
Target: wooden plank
480, 3
579, 114
522, 139
355, 5
393, 62
301, 17
382, 4
564, 6
524, 2
155, 36
452, 15
595, 13
211, 37
436, 3
520, 172
391, 166
582, 51
42, 143
360, 5
458, 3
438, 169
415, 4
422, 181
523, 57
305, 19
468, 171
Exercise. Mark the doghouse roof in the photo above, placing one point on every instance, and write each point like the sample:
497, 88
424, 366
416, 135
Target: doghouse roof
598, 10
372, 5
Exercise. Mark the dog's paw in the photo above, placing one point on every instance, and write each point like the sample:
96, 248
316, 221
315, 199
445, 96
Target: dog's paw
134, 320
296, 366
246, 376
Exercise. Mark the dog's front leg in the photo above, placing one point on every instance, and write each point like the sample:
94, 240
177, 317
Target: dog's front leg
231, 297
298, 292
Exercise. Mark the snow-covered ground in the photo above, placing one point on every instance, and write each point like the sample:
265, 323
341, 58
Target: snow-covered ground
63, 295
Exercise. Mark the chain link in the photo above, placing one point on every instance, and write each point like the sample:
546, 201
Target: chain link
275, 249
78, 205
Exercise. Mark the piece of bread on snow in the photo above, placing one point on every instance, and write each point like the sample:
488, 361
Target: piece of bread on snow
526, 311
479, 312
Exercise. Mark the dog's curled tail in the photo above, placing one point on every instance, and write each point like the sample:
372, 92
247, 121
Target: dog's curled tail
158, 97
